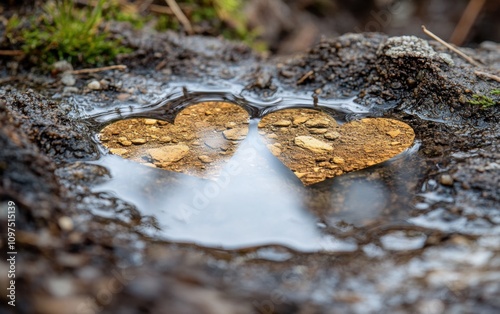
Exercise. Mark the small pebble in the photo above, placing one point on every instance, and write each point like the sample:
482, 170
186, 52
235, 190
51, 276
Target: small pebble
230, 125
338, 160
332, 135
282, 123
165, 139
446, 179
300, 120
317, 123
62, 66
118, 151
317, 131
94, 85
70, 90
139, 141
123, 96
65, 223
150, 121
205, 159
68, 79
275, 150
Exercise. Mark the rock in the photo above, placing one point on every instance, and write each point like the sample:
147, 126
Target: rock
318, 123
393, 133
332, 135
104, 84
168, 154
317, 131
446, 179
272, 136
124, 141
62, 66
138, 141
237, 134
165, 139
300, 120
67, 90
123, 96
118, 151
94, 85
65, 223
411, 46
205, 159
68, 79
274, 149
230, 125
313, 144
150, 121
338, 160
282, 123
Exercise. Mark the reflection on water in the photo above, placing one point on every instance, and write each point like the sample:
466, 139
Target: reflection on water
257, 201
254, 201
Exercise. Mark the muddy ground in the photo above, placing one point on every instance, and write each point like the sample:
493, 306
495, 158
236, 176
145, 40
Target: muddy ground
439, 253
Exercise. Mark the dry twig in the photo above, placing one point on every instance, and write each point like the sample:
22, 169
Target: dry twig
305, 77
120, 67
488, 75
454, 49
466, 21
180, 16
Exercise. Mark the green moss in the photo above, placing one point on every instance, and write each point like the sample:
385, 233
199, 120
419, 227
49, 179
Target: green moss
485, 101
64, 32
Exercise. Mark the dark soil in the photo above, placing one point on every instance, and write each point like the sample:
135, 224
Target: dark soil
71, 260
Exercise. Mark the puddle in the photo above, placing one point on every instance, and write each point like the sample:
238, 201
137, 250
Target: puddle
250, 199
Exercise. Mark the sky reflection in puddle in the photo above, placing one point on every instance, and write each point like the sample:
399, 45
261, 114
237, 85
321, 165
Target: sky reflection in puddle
255, 201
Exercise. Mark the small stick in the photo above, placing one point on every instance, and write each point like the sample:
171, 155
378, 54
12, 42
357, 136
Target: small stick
304, 77
180, 16
466, 21
444, 43
488, 75
11, 53
120, 67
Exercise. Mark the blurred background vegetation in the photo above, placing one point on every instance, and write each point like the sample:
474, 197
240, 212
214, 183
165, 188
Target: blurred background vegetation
76, 30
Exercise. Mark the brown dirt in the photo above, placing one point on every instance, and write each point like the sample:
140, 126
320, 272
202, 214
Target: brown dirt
204, 136
199, 142
354, 146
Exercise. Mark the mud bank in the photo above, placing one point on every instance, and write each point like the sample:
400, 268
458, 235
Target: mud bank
422, 234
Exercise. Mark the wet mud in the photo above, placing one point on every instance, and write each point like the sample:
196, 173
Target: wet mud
416, 233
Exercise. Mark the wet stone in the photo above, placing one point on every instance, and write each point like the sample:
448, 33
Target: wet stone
274, 149
165, 139
332, 135
118, 151
313, 144
300, 119
205, 159
230, 125
124, 141
236, 134
282, 123
446, 179
318, 123
168, 154
317, 131
138, 141
94, 85
338, 160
